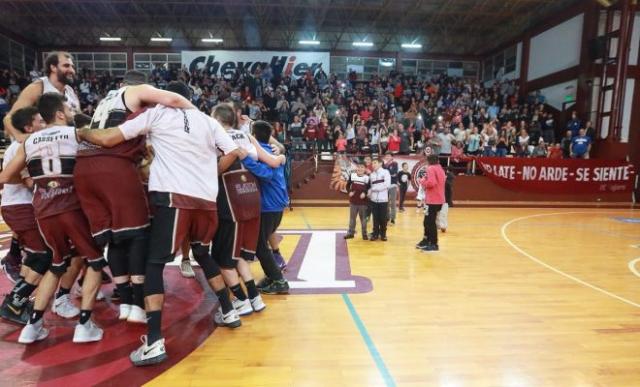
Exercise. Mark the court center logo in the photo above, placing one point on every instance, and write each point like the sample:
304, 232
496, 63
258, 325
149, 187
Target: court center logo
320, 264
417, 173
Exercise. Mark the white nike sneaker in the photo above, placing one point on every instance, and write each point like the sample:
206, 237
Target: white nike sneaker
64, 307
186, 269
148, 354
125, 310
243, 308
137, 315
33, 332
231, 319
257, 304
87, 332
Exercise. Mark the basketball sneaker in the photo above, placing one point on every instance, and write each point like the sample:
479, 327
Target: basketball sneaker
422, 244
186, 270
243, 308
87, 332
148, 354
63, 307
231, 319
33, 332
276, 287
125, 310
263, 283
11, 266
282, 265
430, 248
19, 315
77, 292
257, 304
137, 315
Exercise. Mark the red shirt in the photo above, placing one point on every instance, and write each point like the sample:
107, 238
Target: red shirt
365, 114
341, 144
433, 184
394, 144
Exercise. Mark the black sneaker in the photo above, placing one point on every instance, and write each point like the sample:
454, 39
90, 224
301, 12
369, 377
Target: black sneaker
348, 236
431, 248
422, 244
383, 238
276, 287
373, 237
365, 237
393, 221
266, 281
11, 266
16, 315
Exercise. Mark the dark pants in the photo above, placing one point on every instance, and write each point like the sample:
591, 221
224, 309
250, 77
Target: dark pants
269, 223
379, 212
403, 194
429, 223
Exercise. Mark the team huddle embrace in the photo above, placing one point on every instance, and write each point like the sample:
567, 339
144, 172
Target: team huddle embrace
125, 189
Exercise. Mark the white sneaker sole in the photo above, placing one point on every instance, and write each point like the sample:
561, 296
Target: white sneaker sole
150, 361
41, 336
79, 340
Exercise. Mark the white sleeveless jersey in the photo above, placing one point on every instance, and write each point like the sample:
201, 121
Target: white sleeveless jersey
72, 98
13, 194
111, 111
51, 157
243, 141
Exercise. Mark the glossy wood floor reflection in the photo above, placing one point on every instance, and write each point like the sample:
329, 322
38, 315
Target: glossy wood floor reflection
515, 297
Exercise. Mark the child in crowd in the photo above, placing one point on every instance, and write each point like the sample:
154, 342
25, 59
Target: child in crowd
357, 186
404, 177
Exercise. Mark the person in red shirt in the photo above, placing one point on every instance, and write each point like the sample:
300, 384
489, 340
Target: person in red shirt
433, 184
555, 152
341, 144
321, 136
310, 134
394, 142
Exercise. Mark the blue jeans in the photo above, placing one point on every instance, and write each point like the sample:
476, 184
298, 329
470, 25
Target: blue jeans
501, 152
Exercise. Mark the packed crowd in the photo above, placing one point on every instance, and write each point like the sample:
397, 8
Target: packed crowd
396, 113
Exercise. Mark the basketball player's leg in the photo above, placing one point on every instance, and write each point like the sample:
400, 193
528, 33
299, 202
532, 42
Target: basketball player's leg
185, 265
275, 282
77, 229
57, 242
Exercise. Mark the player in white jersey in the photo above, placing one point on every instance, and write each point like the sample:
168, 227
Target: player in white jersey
49, 155
183, 186
119, 214
60, 74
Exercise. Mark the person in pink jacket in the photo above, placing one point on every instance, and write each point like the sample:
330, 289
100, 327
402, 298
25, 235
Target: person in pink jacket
433, 184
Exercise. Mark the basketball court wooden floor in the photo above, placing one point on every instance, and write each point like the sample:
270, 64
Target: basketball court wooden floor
515, 297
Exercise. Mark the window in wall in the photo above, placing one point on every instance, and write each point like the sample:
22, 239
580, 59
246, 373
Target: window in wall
409, 67
470, 69
510, 55
147, 62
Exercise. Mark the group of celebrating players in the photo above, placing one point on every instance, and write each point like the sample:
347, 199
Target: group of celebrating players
147, 172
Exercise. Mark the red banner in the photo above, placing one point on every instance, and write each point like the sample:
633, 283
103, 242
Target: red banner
559, 176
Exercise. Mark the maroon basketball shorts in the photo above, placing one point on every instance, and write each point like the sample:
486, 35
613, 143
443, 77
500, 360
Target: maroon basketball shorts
235, 241
21, 220
67, 233
171, 226
112, 196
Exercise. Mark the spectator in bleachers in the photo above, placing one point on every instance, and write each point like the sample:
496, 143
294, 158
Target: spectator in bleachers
565, 144
580, 145
574, 124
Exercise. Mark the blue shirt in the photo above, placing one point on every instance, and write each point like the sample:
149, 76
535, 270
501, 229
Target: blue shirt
274, 196
580, 145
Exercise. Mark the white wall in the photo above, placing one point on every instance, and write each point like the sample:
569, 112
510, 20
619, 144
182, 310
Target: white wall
635, 35
626, 112
555, 94
556, 49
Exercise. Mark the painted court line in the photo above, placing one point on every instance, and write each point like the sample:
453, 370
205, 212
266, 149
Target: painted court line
386, 375
542, 263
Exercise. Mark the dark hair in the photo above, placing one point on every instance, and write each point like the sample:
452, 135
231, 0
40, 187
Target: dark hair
134, 77
403, 164
225, 114
262, 131
433, 159
179, 88
23, 117
53, 59
49, 104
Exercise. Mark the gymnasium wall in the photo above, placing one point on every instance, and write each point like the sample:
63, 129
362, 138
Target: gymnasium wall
555, 49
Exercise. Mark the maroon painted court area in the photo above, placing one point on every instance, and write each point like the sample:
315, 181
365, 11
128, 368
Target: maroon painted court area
56, 361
